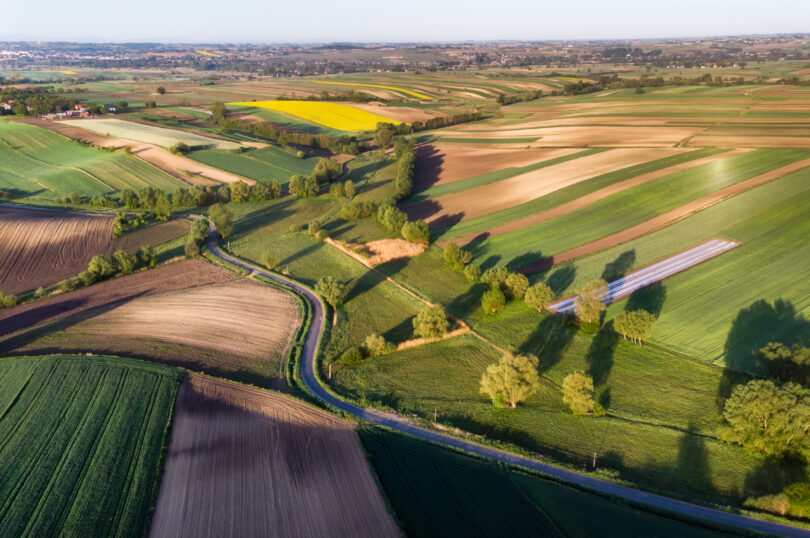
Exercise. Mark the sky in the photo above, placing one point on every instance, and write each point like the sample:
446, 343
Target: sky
308, 21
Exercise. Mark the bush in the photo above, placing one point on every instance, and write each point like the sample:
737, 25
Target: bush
391, 219
326, 170
351, 357
430, 323
539, 296
192, 249
300, 154
516, 284
357, 209
313, 227
268, 260
180, 148
125, 262
40, 292
87, 278
416, 232
100, 266
376, 345
295, 228
776, 504
321, 235
472, 272
455, 256
146, 256
332, 290
7, 301
66, 285
493, 301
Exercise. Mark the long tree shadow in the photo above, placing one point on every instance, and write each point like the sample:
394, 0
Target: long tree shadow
364, 283
428, 168
524, 259
466, 303
620, 266
650, 298
299, 254
774, 474
600, 354
549, 341
561, 278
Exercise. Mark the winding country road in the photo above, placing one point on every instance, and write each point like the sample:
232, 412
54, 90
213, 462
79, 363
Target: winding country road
310, 379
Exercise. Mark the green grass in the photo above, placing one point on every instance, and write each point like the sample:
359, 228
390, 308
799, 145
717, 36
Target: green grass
246, 165
628, 208
498, 175
713, 311
80, 444
439, 492
444, 378
32, 155
567, 194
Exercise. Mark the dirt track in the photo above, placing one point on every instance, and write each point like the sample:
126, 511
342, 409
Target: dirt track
595, 196
39, 248
516, 190
666, 219
245, 462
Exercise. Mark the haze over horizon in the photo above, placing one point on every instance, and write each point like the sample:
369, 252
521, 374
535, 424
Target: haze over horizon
248, 21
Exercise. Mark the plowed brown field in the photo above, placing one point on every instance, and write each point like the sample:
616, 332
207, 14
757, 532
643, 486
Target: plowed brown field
39, 248
246, 462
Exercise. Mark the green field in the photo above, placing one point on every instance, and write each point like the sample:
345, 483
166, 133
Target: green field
260, 164
628, 208
662, 410
723, 310
37, 163
566, 194
80, 444
439, 492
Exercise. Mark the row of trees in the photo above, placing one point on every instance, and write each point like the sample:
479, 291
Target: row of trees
103, 267
504, 99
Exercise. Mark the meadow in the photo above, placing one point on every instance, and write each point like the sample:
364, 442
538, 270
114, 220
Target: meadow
439, 492
333, 115
263, 164
150, 134
82, 442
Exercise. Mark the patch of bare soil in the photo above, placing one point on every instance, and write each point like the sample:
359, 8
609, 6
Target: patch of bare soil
40, 248
396, 113
152, 235
247, 462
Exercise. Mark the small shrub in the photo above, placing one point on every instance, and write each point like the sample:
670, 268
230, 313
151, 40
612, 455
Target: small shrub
351, 357
66, 285
192, 249
416, 232
268, 260
376, 345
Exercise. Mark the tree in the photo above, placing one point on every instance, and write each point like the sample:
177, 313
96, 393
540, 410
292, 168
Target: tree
787, 364
376, 345
332, 290
416, 232
472, 272
495, 277
430, 323
7, 301
493, 301
588, 303
124, 262
516, 284
180, 148
578, 393
296, 186
539, 296
326, 170
240, 191
146, 256
199, 230
218, 110
391, 219
162, 207
311, 187
336, 190
192, 248
348, 189
768, 418
383, 136
636, 325
513, 379
100, 266
161, 90
275, 189
455, 256
222, 218
121, 106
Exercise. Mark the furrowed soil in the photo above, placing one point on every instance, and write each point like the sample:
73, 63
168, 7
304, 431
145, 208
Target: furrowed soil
246, 462
237, 329
39, 248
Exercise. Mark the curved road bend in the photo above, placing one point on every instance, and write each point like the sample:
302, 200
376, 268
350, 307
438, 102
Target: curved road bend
313, 385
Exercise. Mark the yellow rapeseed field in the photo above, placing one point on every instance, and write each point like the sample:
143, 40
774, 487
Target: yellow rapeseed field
205, 53
69, 72
403, 90
332, 115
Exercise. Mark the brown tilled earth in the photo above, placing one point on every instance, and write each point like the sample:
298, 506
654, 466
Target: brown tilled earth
237, 329
396, 113
666, 219
152, 235
445, 163
39, 248
604, 136
588, 199
247, 462
486, 199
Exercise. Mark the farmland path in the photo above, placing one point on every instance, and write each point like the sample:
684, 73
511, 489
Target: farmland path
313, 384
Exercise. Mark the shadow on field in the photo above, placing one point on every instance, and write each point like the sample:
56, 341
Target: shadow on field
44, 328
650, 298
428, 167
467, 303
549, 340
263, 216
297, 255
620, 266
600, 354
753, 328
523, 260
362, 284
560, 279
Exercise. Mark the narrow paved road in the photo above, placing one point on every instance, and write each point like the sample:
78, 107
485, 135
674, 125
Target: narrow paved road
309, 356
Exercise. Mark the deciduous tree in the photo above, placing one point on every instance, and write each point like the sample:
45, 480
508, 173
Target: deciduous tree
636, 325
493, 301
332, 290
513, 379
578, 393
588, 303
430, 323
539, 296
